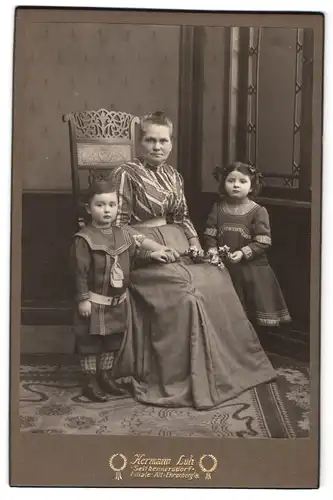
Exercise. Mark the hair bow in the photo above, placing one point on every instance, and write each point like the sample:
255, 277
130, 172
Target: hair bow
258, 175
217, 172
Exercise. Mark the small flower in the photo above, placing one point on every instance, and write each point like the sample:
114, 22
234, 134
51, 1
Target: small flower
195, 254
212, 251
224, 251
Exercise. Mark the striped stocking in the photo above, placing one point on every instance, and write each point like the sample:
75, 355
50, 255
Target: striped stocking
106, 361
89, 364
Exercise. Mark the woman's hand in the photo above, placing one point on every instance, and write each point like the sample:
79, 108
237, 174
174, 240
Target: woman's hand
165, 255
85, 308
194, 242
160, 256
236, 256
172, 254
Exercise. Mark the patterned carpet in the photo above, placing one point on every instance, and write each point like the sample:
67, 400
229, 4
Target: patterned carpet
51, 403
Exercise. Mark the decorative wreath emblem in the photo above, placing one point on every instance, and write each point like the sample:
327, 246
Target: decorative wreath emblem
118, 470
212, 468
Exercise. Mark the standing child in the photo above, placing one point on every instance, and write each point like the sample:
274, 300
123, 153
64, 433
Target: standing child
240, 223
102, 254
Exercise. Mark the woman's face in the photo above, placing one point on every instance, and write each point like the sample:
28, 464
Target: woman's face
156, 144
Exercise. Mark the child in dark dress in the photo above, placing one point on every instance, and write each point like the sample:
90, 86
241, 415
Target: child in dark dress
241, 224
102, 254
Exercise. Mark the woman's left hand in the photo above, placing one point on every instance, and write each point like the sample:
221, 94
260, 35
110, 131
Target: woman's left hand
194, 242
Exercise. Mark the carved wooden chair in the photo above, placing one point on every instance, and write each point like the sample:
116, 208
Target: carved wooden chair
99, 141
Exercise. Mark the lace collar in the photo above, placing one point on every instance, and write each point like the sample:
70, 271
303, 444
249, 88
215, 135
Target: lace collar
238, 208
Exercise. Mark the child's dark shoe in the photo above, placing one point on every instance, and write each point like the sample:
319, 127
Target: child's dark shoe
108, 385
94, 392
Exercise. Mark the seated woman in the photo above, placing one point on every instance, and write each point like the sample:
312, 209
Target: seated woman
189, 342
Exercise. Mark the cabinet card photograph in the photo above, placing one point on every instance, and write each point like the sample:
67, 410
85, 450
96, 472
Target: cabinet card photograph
166, 238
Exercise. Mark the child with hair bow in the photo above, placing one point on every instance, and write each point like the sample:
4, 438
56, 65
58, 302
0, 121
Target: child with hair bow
243, 225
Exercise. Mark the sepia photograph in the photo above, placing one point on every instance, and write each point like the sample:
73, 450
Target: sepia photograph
166, 186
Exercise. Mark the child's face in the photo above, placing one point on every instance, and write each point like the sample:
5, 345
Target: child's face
238, 185
103, 208
156, 144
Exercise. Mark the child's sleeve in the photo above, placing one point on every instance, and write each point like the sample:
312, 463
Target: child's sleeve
261, 235
136, 237
81, 259
210, 234
139, 242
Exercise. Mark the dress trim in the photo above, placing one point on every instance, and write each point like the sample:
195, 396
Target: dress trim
239, 209
237, 229
273, 319
211, 231
110, 251
263, 239
247, 252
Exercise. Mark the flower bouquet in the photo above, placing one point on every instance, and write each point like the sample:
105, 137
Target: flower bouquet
195, 254
214, 256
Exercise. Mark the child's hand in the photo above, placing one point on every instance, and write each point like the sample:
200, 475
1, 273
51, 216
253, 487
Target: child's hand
235, 257
85, 308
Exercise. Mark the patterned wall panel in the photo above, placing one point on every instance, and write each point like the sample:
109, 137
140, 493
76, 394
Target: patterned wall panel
276, 106
212, 105
70, 67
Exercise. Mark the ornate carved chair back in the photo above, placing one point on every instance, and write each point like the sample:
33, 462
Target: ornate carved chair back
99, 141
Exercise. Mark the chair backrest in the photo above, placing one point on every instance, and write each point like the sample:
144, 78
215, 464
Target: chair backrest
99, 141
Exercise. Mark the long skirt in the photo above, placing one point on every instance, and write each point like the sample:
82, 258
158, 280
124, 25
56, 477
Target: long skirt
188, 341
259, 291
